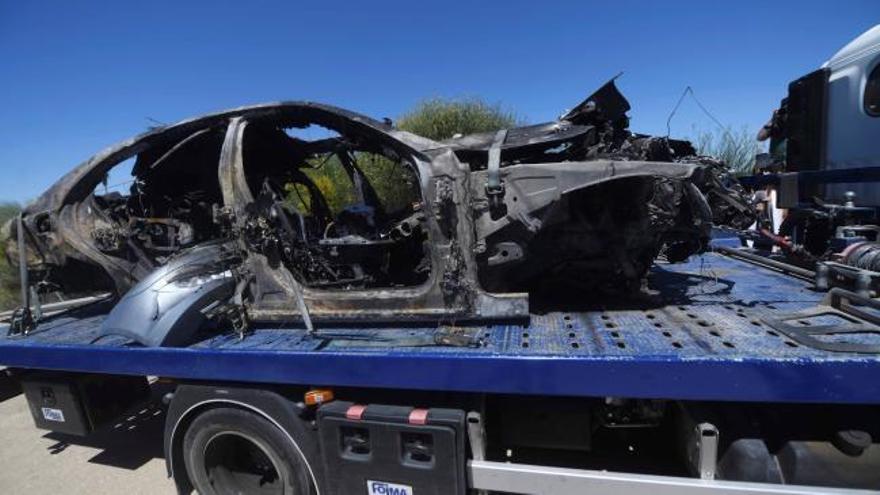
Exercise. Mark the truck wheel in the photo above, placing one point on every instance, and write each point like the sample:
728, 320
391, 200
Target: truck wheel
232, 451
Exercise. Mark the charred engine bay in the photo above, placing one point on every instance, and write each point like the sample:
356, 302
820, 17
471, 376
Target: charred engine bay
300, 211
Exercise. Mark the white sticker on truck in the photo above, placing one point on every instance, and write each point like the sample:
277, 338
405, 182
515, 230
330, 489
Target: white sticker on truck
385, 488
51, 414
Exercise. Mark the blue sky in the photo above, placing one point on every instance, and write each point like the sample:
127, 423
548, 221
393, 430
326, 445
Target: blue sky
78, 76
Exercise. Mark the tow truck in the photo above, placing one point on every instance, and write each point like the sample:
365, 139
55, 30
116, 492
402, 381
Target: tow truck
736, 373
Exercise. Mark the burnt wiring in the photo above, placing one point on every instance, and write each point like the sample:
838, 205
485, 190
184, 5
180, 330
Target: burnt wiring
689, 91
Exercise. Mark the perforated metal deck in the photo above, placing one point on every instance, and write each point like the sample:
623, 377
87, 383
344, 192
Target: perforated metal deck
702, 337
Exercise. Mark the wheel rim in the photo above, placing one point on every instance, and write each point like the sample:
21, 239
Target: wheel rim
236, 464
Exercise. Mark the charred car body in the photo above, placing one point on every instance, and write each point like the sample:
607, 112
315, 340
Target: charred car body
226, 217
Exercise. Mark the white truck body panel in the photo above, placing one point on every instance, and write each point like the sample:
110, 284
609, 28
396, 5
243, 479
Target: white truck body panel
853, 136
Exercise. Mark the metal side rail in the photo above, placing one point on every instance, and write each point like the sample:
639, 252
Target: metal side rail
541, 480
52, 309
850, 314
743, 254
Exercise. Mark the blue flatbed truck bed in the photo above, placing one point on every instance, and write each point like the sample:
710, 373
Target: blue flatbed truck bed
702, 338
705, 341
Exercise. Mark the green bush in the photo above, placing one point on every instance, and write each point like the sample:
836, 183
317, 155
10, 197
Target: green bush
330, 178
9, 287
396, 186
737, 148
441, 119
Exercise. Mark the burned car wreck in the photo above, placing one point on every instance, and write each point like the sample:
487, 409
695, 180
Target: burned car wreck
247, 216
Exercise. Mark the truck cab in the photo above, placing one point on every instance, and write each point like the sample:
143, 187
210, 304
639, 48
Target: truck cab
823, 146
830, 119
853, 113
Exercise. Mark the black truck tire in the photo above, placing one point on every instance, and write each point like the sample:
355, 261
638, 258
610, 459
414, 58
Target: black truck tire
230, 451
